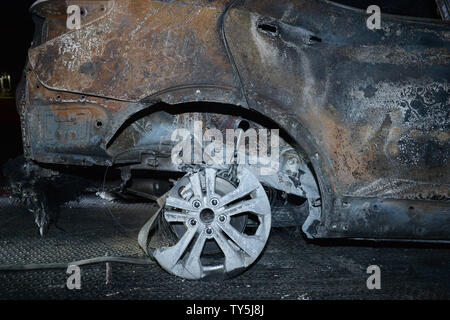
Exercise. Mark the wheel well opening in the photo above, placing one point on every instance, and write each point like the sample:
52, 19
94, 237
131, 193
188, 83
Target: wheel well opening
213, 108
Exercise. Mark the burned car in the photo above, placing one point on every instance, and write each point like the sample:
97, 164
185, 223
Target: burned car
268, 113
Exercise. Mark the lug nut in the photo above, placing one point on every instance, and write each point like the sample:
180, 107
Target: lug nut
222, 218
214, 202
209, 231
196, 204
193, 222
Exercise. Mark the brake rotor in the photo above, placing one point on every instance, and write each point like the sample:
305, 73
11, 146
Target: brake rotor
210, 211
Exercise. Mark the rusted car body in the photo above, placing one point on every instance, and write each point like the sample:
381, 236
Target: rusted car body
367, 110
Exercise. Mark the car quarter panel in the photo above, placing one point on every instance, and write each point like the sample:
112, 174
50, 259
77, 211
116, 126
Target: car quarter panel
375, 103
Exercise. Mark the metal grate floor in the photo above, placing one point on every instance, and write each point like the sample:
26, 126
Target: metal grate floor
290, 267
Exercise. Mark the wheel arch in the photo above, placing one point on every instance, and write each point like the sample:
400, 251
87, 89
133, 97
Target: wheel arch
264, 112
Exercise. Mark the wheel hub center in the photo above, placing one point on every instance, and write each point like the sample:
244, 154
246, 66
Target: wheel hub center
207, 215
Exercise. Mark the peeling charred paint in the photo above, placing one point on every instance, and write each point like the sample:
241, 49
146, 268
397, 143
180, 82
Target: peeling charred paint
359, 93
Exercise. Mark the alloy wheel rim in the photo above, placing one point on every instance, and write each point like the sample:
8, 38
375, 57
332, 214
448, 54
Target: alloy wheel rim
207, 216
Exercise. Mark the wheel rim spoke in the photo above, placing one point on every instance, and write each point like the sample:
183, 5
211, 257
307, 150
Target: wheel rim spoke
246, 186
171, 255
210, 178
233, 259
250, 244
178, 203
193, 264
196, 185
175, 216
254, 205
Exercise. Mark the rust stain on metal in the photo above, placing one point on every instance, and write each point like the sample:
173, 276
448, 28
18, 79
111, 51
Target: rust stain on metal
136, 50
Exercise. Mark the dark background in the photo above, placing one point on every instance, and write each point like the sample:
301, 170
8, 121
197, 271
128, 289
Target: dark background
412, 8
17, 30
